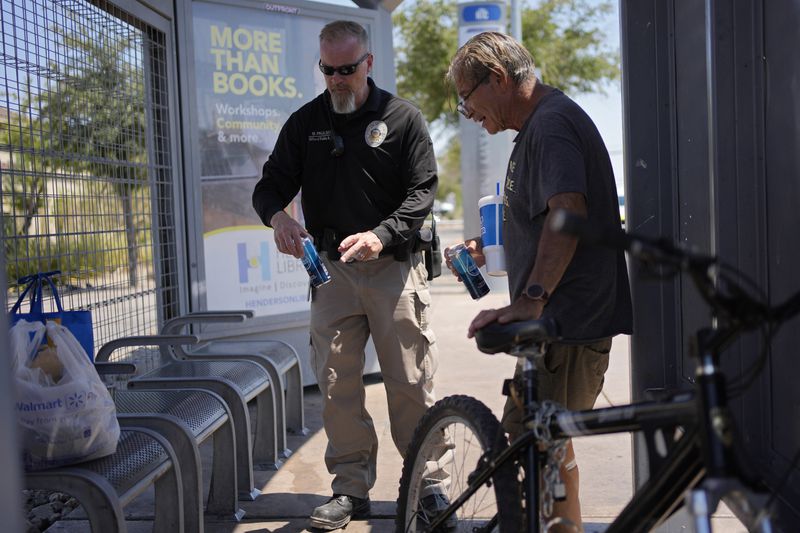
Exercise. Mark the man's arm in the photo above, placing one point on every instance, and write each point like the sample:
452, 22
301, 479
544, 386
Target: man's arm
280, 181
556, 250
553, 256
420, 167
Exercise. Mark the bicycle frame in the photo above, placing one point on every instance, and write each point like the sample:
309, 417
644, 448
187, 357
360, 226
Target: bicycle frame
699, 465
682, 464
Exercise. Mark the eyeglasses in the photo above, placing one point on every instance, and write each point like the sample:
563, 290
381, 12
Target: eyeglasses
344, 70
462, 104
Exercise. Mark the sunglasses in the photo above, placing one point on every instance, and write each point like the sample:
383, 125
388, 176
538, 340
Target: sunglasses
344, 70
462, 104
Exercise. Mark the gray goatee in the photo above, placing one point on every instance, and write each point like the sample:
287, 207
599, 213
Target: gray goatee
344, 102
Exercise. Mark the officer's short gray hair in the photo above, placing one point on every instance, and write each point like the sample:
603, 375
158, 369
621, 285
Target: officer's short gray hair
491, 51
341, 29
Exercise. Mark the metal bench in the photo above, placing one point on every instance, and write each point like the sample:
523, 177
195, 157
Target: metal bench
186, 418
235, 381
105, 486
278, 358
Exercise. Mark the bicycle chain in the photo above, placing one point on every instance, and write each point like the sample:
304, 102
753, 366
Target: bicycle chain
553, 487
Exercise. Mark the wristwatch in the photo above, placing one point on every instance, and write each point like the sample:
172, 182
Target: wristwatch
536, 293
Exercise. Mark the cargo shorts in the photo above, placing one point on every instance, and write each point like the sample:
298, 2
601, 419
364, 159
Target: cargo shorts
570, 375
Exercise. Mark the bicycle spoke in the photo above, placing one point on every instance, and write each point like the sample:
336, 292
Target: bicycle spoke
441, 460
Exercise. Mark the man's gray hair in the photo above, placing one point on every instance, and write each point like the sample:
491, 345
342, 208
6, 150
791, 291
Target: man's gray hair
491, 51
341, 29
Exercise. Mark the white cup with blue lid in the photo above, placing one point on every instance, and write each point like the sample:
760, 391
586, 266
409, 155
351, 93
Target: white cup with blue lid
491, 212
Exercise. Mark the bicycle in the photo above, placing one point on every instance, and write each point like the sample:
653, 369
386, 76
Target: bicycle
492, 485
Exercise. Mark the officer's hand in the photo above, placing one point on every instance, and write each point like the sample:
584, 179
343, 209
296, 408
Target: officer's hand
360, 247
288, 234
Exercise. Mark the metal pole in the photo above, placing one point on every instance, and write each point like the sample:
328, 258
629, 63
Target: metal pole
11, 503
711, 102
516, 19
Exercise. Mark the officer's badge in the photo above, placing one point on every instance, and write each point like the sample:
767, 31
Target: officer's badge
375, 133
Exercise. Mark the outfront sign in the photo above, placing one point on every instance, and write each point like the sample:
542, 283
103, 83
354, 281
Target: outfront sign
482, 13
478, 17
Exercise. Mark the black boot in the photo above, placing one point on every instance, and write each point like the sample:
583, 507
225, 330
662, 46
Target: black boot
338, 511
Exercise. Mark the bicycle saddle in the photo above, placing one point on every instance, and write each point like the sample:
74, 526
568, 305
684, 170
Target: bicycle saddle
495, 338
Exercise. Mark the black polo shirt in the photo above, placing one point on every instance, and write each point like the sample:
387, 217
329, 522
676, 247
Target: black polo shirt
385, 180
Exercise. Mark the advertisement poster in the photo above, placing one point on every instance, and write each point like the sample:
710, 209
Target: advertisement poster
254, 66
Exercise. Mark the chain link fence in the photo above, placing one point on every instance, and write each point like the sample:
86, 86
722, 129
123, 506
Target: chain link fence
87, 184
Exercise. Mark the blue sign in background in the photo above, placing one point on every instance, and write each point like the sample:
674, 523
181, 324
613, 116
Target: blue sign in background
482, 13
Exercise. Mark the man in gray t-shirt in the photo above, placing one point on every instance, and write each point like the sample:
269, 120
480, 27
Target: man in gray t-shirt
559, 161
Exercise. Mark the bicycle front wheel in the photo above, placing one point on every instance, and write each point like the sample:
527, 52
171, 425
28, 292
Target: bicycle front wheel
448, 445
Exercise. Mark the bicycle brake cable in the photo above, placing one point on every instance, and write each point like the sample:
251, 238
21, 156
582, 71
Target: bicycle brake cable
782, 483
741, 383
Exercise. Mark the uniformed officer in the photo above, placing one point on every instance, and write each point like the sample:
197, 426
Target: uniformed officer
364, 162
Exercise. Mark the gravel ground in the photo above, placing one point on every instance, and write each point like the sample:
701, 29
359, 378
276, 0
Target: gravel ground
43, 508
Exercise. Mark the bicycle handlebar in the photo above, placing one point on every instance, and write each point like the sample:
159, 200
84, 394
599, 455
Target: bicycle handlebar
658, 251
725, 296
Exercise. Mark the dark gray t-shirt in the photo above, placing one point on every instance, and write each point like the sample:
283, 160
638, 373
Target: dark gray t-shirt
559, 150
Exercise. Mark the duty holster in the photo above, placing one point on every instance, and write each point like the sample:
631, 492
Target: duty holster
427, 242
328, 242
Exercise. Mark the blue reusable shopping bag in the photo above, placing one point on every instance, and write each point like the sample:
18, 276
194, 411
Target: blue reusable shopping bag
79, 323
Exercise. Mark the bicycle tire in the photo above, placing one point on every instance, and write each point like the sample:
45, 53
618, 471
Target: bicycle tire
472, 430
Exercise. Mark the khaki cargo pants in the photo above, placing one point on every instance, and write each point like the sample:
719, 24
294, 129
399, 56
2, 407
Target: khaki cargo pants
390, 300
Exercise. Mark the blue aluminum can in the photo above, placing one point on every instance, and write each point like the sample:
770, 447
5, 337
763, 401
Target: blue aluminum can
314, 266
468, 271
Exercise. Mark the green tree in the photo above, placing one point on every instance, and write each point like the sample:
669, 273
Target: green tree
427, 34
95, 111
567, 46
88, 120
23, 186
563, 36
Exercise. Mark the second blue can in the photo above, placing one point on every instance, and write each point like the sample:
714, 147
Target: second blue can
314, 266
468, 271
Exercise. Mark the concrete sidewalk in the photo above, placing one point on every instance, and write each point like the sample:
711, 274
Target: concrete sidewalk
302, 483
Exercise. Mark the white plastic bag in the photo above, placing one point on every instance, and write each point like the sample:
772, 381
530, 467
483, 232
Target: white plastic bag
63, 422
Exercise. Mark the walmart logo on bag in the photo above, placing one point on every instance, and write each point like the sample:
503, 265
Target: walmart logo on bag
40, 406
76, 400
258, 262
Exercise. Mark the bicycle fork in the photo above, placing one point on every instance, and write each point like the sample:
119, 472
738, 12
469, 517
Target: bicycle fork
703, 501
722, 480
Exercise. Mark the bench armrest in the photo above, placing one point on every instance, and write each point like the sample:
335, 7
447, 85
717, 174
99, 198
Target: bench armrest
143, 340
105, 369
175, 325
